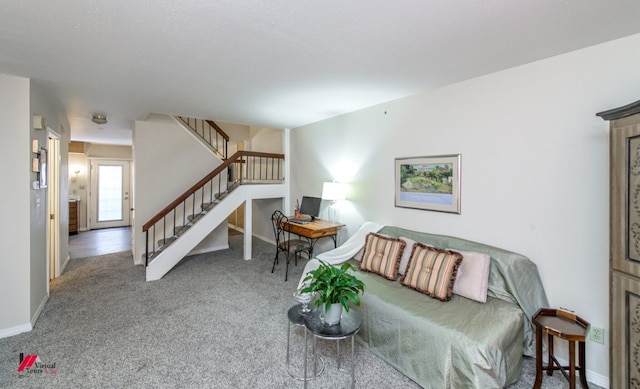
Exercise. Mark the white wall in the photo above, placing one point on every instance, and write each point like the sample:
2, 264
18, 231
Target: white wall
93, 150
23, 275
236, 132
39, 219
534, 166
262, 211
42, 105
218, 239
15, 156
266, 140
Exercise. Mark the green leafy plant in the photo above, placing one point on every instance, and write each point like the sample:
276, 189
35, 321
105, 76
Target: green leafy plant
333, 285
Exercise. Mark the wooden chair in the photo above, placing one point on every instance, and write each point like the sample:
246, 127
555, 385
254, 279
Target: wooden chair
284, 243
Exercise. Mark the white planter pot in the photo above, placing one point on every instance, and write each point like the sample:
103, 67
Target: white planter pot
332, 316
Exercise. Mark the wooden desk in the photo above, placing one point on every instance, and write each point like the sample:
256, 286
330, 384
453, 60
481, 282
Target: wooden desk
315, 230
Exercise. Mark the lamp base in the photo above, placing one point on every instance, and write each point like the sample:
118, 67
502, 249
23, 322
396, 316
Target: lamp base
334, 213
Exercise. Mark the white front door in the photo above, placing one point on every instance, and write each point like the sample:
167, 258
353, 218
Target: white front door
110, 193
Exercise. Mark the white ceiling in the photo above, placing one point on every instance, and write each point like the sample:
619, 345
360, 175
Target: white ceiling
278, 63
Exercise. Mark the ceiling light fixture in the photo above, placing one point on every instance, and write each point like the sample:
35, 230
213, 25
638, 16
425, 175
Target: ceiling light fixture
99, 119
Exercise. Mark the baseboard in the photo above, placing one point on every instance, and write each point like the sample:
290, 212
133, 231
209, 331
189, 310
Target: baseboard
64, 265
36, 314
598, 379
592, 377
268, 240
26, 327
15, 330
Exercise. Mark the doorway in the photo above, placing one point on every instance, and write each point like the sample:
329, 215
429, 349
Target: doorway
53, 204
109, 196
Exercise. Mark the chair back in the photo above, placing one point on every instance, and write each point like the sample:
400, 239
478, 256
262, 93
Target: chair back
278, 220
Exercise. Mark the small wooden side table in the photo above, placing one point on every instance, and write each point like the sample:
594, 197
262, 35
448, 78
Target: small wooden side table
564, 325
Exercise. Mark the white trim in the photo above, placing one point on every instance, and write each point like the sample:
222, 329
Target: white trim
64, 264
287, 170
38, 311
597, 379
248, 229
15, 330
592, 377
92, 197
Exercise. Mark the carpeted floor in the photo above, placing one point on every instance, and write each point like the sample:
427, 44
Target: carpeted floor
215, 321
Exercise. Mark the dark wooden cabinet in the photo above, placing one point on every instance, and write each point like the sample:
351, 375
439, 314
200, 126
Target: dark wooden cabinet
624, 263
74, 216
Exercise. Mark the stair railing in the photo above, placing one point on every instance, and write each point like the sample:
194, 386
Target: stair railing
243, 167
210, 133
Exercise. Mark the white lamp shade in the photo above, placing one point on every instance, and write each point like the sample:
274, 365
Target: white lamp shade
333, 191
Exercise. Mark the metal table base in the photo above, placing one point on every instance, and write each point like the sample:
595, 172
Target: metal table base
297, 319
347, 328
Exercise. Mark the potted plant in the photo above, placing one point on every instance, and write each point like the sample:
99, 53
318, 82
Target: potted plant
334, 287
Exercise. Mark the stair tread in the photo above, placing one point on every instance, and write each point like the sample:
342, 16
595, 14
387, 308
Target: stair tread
167, 241
195, 218
181, 229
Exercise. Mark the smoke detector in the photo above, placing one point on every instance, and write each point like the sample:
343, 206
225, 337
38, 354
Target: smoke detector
99, 119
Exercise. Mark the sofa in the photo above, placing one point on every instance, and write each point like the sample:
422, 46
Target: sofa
461, 342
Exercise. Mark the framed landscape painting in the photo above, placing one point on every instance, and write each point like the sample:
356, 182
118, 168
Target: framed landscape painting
431, 183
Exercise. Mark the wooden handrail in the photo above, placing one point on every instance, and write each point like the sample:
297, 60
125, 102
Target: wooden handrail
208, 139
218, 129
233, 159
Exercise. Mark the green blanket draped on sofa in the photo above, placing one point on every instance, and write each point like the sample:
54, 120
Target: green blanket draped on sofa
460, 343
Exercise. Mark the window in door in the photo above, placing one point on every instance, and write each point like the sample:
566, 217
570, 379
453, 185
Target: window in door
109, 193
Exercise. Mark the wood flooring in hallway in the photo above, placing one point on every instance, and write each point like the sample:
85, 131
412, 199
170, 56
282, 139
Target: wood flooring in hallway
100, 242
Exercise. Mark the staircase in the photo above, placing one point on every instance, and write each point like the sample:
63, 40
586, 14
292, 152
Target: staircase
170, 254
174, 231
209, 133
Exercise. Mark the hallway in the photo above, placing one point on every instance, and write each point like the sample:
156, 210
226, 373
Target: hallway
100, 242
105, 241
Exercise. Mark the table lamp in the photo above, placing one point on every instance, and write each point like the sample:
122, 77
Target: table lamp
333, 191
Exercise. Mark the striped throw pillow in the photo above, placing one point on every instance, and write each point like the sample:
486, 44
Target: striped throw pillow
432, 271
382, 255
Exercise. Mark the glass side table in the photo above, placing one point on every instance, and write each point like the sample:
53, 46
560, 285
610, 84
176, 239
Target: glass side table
347, 328
297, 319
